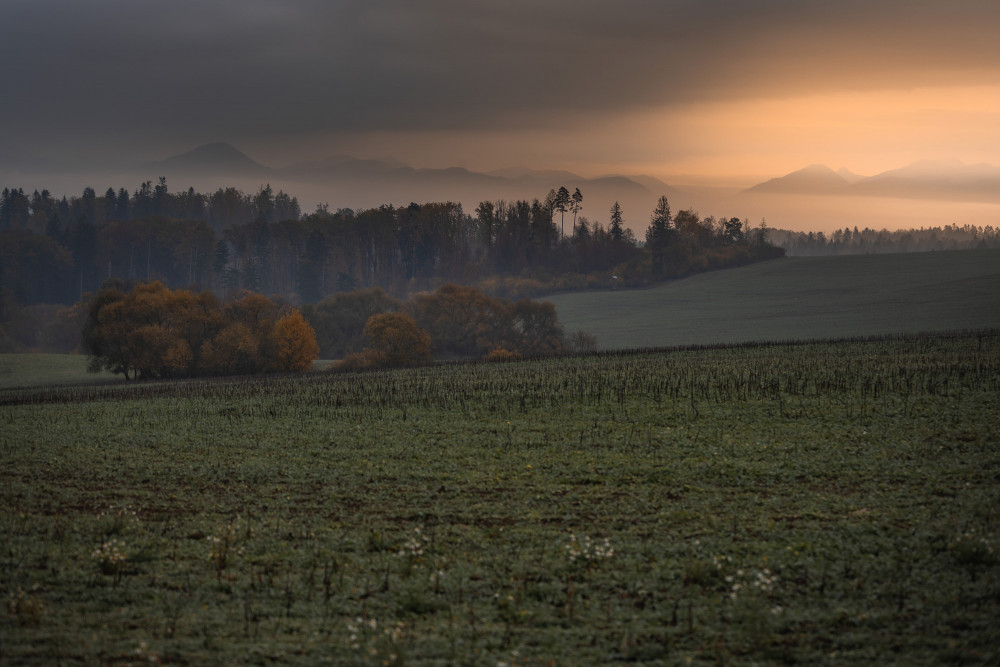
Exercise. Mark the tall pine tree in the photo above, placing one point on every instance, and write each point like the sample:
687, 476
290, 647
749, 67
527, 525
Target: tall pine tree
658, 235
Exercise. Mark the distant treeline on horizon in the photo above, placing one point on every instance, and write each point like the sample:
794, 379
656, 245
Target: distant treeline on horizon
871, 241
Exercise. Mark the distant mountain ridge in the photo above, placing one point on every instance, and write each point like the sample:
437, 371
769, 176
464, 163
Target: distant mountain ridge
815, 193
222, 158
370, 182
925, 179
215, 157
938, 180
815, 179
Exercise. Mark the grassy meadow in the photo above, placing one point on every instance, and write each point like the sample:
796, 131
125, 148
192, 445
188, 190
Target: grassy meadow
822, 503
797, 298
39, 370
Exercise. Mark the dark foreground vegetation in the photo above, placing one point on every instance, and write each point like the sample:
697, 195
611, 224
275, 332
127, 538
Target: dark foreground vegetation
814, 503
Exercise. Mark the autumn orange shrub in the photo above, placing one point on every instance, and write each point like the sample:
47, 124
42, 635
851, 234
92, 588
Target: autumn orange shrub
500, 354
394, 340
233, 351
359, 361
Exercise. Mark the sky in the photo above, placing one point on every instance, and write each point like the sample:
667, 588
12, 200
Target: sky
711, 92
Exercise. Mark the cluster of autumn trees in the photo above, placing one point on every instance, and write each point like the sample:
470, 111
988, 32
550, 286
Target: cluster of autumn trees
151, 331
460, 322
154, 332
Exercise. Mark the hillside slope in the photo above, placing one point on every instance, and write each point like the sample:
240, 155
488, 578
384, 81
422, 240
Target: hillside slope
797, 298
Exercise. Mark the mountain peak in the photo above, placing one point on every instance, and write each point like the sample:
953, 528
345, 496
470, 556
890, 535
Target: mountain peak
214, 157
924, 179
817, 168
812, 180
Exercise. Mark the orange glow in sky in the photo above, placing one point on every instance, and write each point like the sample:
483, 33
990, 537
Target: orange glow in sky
736, 142
744, 142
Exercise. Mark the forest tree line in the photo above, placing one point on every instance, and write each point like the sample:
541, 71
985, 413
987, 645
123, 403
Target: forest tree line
849, 241
53, 252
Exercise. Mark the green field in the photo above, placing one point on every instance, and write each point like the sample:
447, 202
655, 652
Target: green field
797, 298
830, 503
39, 370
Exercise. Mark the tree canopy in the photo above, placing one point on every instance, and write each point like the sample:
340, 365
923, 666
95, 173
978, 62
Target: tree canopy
154, 332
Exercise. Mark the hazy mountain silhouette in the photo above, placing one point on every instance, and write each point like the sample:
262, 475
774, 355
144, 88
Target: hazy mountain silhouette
816, 179
348, 181
815, 198
926, 179
216, 158
656, 185
525, 174
368, 181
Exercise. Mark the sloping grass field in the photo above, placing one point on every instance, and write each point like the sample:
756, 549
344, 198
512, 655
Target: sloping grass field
823, 503
797, 298
39, 370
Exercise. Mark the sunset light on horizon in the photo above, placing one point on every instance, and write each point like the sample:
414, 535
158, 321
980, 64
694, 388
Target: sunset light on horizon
691, 93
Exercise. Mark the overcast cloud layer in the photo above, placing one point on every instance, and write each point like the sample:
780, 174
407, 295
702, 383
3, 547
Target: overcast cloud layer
127, 75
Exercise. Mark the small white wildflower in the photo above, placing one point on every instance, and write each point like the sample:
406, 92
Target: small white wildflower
586, 548
414, 545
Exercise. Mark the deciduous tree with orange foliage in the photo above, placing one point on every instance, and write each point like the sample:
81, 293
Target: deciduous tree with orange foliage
154, 332
394, 340
295, 342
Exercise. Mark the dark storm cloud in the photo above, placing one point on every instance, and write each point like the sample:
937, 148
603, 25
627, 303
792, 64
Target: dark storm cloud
123, 69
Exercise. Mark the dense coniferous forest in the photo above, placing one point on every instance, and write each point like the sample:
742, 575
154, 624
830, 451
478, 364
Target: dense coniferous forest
55, 252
